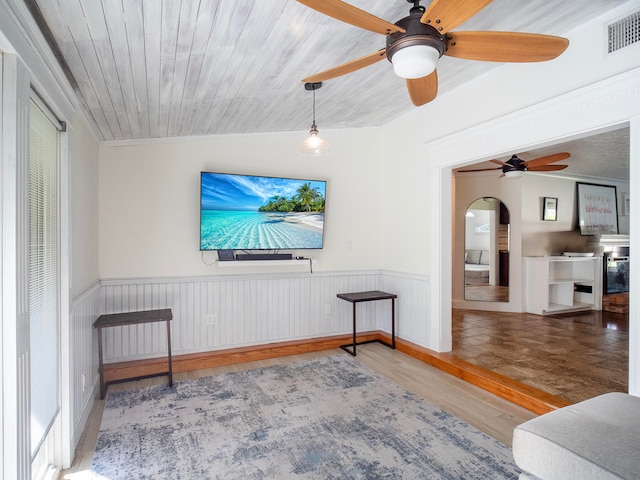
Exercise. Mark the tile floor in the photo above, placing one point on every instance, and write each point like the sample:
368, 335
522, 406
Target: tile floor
573, 356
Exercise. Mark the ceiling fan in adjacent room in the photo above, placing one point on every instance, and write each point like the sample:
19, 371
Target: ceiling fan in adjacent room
415, 43
515, 167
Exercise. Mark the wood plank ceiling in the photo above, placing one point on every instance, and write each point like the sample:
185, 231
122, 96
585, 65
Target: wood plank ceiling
154, 68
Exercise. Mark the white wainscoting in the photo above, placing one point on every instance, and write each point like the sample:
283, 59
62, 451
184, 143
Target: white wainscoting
412, 306
257, 310
85, 309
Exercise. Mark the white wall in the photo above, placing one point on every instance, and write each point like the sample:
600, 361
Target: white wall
554, 237
79, 343
83, 153
149, 199
149, 247
549, 237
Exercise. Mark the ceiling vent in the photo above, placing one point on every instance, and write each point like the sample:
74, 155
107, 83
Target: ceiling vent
624, 32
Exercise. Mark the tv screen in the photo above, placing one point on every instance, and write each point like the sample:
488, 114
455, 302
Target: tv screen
244, 212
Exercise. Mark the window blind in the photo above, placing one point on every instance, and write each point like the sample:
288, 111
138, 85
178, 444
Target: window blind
43, 273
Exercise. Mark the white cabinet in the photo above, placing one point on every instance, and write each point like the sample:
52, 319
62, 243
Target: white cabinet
560, 284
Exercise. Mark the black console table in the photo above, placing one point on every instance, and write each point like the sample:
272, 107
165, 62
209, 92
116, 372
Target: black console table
357, 297
133, 318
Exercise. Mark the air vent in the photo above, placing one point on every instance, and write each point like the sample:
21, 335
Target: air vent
624, 32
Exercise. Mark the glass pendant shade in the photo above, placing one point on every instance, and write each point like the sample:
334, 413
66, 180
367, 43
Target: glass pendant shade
416, 61
314, 145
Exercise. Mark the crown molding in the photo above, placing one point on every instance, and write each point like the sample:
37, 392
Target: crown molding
568, 116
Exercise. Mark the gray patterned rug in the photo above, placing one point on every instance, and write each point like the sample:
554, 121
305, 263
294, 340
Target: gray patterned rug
328, 418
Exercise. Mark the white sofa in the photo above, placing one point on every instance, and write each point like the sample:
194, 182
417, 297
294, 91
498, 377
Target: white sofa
591, 440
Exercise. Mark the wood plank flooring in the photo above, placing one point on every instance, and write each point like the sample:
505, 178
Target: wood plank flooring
491, 414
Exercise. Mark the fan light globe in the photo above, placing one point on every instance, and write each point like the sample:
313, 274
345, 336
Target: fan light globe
513, 174
415, 61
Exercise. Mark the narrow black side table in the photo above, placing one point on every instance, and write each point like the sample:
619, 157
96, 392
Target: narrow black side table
133, 318
357, 297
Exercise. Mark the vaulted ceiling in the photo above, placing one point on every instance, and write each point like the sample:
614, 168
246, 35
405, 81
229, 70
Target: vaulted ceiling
153, 68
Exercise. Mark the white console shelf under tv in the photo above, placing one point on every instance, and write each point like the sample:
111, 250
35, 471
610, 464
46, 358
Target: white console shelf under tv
556, 284
264, 263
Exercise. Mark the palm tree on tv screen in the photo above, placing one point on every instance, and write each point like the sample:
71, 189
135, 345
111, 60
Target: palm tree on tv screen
307, 195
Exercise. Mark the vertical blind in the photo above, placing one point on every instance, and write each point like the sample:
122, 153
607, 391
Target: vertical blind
43, 273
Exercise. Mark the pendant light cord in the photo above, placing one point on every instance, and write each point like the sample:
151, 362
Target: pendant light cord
314, 110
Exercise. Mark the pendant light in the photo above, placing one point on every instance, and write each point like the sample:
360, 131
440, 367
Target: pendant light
314, 145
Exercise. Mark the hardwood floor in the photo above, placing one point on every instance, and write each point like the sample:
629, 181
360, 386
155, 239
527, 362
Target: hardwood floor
573, 356
491, 414
486, 293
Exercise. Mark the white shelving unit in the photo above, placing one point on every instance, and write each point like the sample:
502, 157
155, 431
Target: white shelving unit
562, 284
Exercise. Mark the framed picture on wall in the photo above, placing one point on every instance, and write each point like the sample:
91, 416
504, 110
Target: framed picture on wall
597, 209
550, 208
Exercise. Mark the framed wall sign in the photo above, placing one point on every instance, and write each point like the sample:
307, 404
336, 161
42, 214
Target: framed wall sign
550, 208
597, 209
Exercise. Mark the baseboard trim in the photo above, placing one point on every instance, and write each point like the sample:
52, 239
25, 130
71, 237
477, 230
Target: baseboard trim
115, 372
531, 398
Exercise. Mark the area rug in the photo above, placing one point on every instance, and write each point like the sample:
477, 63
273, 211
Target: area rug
328, 418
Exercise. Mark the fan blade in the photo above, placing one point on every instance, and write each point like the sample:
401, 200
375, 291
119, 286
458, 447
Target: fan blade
480, 170
556, 157
423, 90
547, 168
352, 15
348, 67
505, 46
499, 163
445, 15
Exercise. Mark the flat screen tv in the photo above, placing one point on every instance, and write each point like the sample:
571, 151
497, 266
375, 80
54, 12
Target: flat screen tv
245, 212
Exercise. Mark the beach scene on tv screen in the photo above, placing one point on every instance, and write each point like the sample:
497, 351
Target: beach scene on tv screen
241, 212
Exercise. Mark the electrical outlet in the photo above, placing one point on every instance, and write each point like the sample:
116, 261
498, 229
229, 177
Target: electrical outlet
211, 320
327, 309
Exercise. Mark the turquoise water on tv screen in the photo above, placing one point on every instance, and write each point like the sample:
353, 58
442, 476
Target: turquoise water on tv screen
250, 230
